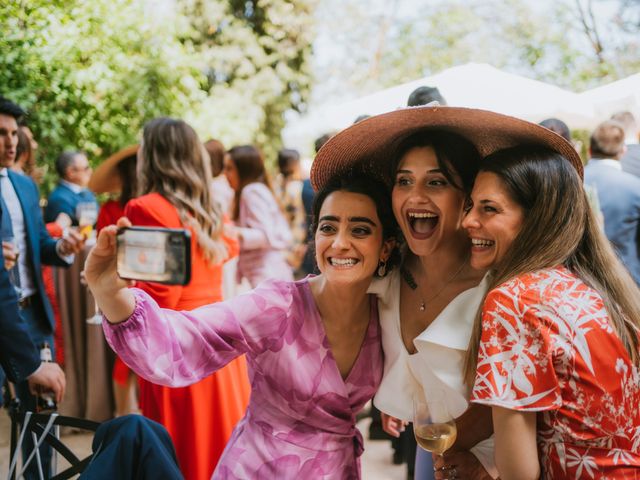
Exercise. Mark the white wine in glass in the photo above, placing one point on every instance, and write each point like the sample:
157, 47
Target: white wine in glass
433, 425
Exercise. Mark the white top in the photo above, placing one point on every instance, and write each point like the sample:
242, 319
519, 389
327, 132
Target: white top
439, 359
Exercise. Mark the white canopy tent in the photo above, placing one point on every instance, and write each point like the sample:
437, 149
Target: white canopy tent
477, 86
615, 96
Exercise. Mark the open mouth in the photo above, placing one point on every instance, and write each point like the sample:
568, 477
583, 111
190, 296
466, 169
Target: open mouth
342, 262
422, 223
482, 243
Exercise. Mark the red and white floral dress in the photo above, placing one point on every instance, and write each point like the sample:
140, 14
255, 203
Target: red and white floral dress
547, 346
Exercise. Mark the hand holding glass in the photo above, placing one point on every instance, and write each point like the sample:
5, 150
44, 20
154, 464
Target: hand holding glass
10, 247
87, 214
433, 425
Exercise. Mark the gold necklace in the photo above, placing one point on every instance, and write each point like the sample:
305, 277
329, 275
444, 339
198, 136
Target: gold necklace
413, 285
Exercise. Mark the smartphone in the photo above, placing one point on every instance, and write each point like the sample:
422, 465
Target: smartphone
161, 255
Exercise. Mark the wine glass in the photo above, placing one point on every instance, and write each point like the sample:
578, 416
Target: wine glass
87, 214
14, 273
433, 425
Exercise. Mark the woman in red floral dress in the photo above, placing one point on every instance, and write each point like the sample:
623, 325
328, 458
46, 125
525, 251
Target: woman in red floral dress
556, 348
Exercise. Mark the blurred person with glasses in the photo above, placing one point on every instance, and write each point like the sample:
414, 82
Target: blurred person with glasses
71, 195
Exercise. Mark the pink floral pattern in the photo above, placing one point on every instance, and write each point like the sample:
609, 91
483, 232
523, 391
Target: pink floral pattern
300, 422
547, 346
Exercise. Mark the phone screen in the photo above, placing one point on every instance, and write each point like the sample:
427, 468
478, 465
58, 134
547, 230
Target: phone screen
159, 255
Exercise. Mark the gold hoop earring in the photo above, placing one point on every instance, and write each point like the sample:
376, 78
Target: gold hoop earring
382, 268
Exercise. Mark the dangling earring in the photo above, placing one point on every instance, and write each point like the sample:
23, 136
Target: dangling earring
382, 268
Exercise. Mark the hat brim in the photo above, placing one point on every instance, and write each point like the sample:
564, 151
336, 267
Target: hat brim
372, 143
105, 178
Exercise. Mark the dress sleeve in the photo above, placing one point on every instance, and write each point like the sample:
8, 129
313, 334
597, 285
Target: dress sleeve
142, 214
258, 223
175, 349
515, 360
232, 242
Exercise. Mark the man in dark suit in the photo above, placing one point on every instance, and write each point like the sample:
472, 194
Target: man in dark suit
618, 193
631, 159
74, 171
19, 356
22, 220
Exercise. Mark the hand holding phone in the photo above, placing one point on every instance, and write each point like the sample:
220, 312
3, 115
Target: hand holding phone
160, 255
112, 296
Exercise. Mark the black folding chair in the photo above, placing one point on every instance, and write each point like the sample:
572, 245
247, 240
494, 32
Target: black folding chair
44, 428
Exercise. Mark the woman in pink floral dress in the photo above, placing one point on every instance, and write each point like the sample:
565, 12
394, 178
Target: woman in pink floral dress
556, 347
312, 346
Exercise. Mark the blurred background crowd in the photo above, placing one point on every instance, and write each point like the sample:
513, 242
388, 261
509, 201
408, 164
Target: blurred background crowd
258, 86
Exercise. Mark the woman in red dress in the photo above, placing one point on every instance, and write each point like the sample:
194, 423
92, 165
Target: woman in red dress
174, 176
555, 351
117, 174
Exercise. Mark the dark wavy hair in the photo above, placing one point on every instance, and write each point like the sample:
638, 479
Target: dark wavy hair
357, 182
454, 154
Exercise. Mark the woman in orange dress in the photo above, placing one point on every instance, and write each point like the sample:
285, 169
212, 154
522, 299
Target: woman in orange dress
174, 176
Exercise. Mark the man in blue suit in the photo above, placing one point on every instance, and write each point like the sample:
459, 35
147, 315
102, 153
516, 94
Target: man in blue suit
618, 193
74, 171
22, 220
19, 356
631, 159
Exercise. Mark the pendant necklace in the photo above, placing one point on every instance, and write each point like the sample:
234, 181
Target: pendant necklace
411, 282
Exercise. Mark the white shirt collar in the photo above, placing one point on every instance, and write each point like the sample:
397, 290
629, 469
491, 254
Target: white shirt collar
4, 172
75, 188
453, 327
609, 162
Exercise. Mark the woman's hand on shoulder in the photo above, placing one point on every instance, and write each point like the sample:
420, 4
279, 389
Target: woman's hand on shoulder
460, 464
393, 426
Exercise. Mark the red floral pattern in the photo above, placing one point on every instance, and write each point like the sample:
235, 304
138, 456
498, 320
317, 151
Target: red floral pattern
548, 346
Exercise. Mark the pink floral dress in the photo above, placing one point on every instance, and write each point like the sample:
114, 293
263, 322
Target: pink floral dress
547, 346
300, 423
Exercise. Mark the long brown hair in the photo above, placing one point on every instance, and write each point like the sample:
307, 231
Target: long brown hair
250, 165
176, 165
559, 229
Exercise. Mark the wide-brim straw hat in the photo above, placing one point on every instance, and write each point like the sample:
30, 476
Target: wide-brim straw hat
371, 144
105, 178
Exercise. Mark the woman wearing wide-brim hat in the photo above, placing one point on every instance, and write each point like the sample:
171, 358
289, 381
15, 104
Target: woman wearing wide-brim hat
117, 175
429, 156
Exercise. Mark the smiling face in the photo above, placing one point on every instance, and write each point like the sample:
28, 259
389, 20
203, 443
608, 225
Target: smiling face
349, 238
8, 140
493, 221
426, 205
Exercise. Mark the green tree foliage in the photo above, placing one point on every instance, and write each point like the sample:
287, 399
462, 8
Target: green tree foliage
91, 73
255, 55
